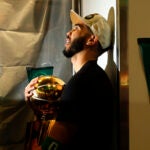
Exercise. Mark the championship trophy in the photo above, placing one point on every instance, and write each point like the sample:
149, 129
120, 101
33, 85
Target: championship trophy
45, 105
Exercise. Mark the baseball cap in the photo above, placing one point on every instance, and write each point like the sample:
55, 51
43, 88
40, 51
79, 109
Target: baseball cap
98, 25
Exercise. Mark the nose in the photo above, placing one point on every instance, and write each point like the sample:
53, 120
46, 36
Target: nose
69, 33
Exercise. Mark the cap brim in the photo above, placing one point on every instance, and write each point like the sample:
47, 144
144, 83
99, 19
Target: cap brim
75, 18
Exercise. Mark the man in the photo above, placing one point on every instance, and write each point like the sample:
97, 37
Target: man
85, 118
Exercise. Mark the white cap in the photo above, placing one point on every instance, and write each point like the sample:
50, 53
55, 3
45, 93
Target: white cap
97, 23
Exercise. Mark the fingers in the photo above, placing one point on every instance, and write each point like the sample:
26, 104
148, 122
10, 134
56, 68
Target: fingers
28, 93
33, 81
29, 89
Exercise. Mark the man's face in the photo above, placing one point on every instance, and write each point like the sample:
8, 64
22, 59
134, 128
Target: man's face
76, 46
76, 40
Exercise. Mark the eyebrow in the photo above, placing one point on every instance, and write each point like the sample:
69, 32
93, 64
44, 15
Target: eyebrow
84, 25
80, 25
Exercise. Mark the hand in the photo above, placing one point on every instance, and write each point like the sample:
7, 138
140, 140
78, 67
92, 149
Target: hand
29, 89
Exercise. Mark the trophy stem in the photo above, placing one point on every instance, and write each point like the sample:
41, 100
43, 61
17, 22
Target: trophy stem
37, 131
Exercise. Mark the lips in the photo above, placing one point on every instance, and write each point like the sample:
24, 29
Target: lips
67, 41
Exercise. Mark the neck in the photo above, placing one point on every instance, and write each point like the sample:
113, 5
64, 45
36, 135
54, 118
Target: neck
81, 58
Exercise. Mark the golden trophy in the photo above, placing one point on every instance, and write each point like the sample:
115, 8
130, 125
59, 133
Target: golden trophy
45, 105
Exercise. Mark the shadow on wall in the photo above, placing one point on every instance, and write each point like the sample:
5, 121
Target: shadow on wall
113, 73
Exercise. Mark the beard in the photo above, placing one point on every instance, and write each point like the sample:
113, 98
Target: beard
76, 46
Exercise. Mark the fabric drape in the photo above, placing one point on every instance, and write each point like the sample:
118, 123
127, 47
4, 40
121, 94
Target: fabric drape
32, 33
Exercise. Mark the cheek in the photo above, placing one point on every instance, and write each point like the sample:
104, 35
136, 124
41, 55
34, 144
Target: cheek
76, 34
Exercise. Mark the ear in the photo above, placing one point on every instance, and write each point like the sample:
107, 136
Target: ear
92, 40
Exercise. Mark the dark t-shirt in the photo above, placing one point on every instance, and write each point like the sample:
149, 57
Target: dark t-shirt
87, 102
